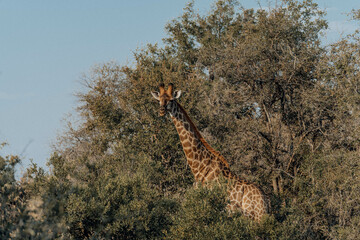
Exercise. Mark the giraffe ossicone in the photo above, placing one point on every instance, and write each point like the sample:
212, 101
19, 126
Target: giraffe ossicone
207, 164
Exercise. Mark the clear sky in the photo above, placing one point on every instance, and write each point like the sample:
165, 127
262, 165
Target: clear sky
46, 46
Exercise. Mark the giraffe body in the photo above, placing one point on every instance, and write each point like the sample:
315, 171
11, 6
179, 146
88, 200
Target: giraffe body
207, 164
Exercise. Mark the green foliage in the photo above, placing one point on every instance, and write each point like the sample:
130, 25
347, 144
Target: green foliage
24, 213
118, 207
261, 88
259, 68
328, 191
203, 215
12, 202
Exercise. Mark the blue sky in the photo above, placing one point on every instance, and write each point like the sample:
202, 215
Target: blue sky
46, 46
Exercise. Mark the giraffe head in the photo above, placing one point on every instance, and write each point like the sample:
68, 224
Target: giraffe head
166, 98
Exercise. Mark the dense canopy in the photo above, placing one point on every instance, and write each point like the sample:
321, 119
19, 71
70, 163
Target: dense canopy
261, 87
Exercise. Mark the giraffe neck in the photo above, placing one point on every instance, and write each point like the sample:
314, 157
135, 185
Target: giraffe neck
205, 163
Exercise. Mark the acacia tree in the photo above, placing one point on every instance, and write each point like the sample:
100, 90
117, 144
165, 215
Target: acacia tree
260, 88
260, 67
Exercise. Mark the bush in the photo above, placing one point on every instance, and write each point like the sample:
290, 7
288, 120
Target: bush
118, 207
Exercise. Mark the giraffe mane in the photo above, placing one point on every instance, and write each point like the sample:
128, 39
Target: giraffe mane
203, 141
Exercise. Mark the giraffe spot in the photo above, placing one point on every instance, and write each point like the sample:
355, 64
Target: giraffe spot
187, 152
202, 167
186, 144
211, 176
195, 164
206, 161
226, 173
239, 195
182, 138
207, 171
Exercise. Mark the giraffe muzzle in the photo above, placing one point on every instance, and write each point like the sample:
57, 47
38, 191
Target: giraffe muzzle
162, 111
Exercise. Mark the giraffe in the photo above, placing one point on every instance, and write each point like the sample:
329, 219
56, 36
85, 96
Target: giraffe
207, 164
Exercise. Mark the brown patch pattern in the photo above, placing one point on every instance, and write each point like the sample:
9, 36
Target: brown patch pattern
207, 164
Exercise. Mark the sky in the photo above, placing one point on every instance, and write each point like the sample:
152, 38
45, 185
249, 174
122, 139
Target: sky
46, 47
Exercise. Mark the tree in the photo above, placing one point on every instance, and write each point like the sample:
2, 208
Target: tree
260, 68
282, 109
25, 213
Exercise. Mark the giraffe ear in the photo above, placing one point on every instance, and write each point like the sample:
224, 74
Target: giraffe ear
177, 94
155, 95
